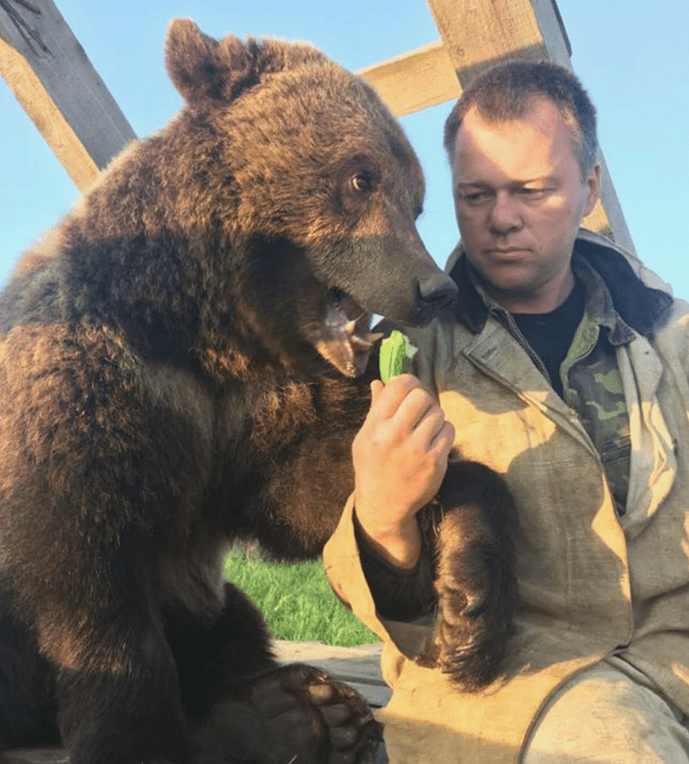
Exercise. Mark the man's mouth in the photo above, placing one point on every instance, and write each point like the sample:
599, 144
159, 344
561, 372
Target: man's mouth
346, 338
507, 251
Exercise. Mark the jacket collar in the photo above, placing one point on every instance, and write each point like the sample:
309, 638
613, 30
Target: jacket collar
641, 306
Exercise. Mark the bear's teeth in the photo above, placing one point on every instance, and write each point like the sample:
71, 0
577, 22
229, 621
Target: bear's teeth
365, 343
351, 328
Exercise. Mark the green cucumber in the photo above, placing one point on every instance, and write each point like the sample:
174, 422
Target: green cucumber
396, 353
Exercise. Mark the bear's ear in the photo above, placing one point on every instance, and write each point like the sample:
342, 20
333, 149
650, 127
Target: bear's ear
202, 68
205, 69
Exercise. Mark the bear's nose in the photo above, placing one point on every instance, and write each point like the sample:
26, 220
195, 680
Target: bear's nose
436, 292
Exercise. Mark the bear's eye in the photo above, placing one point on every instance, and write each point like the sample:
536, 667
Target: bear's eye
363, 182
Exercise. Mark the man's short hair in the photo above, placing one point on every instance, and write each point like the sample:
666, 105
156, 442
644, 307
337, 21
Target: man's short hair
504, 93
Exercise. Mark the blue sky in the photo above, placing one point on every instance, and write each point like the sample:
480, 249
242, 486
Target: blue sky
633, 57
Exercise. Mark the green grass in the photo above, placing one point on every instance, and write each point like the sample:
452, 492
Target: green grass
296, 600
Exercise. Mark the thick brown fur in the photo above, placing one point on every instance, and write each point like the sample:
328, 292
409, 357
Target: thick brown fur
472, 526
179, 366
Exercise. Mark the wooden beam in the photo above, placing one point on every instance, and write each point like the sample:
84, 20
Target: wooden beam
53, 79
358, 666
415, 80
480, 33
475, 35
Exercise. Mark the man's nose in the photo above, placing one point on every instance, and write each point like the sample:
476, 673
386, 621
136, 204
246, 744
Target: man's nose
504, 215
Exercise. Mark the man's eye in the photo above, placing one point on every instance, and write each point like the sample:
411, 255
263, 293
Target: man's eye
532, 193
473, 197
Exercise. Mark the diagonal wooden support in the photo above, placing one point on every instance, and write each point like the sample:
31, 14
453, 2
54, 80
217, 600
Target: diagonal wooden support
53, 79
415, 80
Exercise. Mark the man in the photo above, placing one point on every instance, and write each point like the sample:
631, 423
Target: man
564, 366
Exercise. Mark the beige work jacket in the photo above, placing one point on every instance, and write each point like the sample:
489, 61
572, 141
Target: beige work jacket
591, 584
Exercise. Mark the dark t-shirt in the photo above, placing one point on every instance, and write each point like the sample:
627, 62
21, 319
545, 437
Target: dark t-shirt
550, 334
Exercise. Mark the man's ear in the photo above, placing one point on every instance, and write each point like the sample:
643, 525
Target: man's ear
593, 186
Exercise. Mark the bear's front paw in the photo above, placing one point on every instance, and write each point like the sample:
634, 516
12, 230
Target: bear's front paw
295, 714
471, 633
476, 591
474, 523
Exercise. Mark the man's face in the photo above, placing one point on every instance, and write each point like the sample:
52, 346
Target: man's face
519, 199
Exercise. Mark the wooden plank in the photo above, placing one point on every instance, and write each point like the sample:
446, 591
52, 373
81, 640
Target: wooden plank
49, 120
475, 34
415, 80
53, 79
357, 666
479, 33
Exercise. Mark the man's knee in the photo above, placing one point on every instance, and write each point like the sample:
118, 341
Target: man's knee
608, 714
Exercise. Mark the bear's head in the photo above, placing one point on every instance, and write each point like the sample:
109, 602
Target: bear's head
270, 219
326, 190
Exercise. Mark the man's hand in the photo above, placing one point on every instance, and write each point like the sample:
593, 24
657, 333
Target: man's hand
400, 459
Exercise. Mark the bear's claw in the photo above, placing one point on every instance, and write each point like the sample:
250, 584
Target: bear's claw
294, 714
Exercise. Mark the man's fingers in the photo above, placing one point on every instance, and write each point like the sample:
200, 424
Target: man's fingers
444, 440
416, 407
407, 408
434, 436
386, 399
429, 426
377, 388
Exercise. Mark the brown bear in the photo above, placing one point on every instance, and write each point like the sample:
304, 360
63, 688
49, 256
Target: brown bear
180, 368
184, 362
